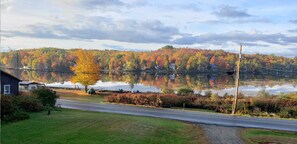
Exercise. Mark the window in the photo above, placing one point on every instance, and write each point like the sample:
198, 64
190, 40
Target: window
6, 89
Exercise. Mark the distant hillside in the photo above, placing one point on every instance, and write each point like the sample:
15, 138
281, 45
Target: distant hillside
166, 59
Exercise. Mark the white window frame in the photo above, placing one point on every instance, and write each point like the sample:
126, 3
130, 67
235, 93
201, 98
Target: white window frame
6, 91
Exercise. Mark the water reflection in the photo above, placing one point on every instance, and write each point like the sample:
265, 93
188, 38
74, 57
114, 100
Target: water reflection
250, 84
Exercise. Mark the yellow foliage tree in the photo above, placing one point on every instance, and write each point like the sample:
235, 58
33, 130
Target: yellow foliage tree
86, 70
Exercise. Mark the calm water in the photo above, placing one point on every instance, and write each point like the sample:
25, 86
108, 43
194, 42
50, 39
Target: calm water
221, 84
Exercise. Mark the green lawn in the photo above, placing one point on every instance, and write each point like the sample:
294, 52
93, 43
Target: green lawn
256, 136
81, 95
81, 127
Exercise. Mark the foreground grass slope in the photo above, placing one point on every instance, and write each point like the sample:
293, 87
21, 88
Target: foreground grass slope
78, 127
256, 136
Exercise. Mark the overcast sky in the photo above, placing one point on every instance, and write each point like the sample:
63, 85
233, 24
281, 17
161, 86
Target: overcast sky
262, 26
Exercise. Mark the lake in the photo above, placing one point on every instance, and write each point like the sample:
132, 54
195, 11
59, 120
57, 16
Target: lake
145, 82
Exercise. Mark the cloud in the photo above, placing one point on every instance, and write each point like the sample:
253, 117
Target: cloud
240, 21
132, 31
191, 6
293, 21
237, 37
229, 15
100, 3
102, 28
293, 30
231, 12
120, 48
6, 4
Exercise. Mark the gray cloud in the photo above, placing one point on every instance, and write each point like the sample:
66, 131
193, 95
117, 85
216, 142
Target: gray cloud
240, 21
293, 30
237, 37
100, 3
293, 21
231, 12
101, 28
104, 4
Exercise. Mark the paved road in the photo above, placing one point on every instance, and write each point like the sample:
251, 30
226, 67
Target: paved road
189, 116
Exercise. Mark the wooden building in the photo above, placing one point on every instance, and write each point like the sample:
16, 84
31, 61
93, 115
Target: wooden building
9, 84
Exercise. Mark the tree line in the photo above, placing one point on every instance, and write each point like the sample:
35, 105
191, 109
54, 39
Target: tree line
165, 59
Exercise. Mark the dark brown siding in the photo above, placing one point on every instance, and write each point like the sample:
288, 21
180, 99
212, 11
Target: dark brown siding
9, 80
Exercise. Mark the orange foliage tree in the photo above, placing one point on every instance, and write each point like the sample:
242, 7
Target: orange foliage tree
86, 70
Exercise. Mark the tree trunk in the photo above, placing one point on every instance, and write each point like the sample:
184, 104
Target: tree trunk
86, 88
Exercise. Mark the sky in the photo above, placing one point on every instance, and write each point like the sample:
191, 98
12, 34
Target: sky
262, 26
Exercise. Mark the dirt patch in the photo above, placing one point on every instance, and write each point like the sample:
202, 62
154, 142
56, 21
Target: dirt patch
222, 135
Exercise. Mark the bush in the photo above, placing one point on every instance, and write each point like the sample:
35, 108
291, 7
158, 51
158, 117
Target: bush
46, 96
282, 95
263, 94
91, 91
10, 111
288, 112
172, 101
214, 97
30, 104
185, 91
16, 116
267, 105
167, 91
8, 106
255, 106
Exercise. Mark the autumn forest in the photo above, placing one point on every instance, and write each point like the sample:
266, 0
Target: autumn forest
165, 59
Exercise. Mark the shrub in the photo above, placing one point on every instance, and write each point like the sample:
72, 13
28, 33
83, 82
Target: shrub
30, 104
288, 112
267, 105
16, 116
172, 101
167, 91
91, 91
8, 106
282, 95
10, 111
46, 96
185, 91
214, 97
263, 94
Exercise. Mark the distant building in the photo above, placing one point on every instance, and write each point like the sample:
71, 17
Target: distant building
172, 66
29, 86
9, 84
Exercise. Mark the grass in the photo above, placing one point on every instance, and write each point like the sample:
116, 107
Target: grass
81, 127
260, 136
81, 95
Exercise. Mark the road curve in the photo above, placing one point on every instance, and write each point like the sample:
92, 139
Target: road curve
189, 116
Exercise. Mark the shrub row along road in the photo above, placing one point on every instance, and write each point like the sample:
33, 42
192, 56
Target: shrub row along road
189, 116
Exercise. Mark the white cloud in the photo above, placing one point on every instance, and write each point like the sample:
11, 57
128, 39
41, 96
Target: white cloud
143, 24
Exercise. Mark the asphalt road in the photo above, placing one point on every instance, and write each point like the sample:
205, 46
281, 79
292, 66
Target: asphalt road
188, 116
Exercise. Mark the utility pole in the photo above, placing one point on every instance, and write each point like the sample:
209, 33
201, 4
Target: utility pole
236, 82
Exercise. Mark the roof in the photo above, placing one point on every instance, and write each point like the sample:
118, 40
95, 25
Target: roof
1, 71
28, 83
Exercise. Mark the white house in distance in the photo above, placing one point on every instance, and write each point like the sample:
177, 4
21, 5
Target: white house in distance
28, 86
